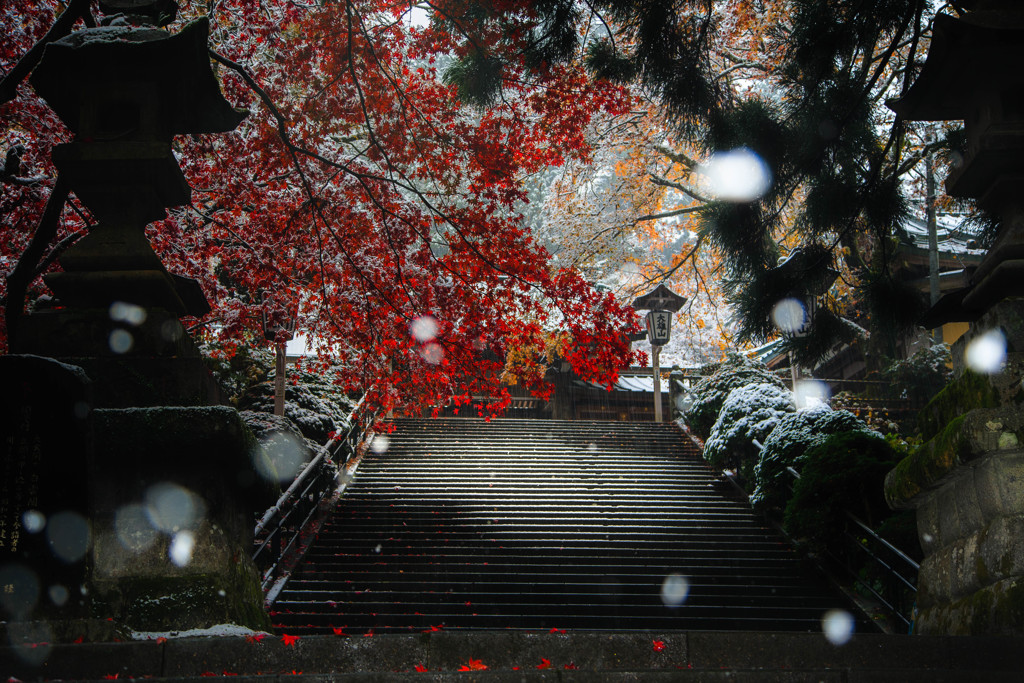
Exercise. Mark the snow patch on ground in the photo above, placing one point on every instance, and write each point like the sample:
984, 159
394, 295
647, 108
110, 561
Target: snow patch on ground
218, 630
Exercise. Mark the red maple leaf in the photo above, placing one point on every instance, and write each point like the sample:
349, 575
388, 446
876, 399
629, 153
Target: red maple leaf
473, 665
289, 640
544, 663
557, 630
340, 631
570, 665
659, 645
255, 638
421, 668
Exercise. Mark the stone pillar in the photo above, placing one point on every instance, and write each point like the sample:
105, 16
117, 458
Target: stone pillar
967, 485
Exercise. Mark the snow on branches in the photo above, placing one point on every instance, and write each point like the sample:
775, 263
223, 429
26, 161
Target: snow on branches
363, 192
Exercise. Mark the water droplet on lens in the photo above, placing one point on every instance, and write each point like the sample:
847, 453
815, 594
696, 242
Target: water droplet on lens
59, 595
838, 626
811, 393
432, 353
31, 641
33, 521
121, 341
171, 507
674, 590
68, 535
424, 328
172, 331
380, 444
82, 410
124, 312
738, 175
281, 458
986, 354
134, 528
789, 316
181, 548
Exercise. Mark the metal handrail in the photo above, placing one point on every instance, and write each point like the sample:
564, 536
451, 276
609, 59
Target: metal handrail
279, 529
895, 577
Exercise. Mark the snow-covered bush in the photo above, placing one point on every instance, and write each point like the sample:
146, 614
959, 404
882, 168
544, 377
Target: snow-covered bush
787, 446
748, 413
236, 367
312, 402
922, 375
710, 393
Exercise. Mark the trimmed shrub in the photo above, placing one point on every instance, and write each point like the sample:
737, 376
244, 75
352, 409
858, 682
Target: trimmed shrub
709, 394
748, 413
921, 376
787, 446
312, 402
843, 473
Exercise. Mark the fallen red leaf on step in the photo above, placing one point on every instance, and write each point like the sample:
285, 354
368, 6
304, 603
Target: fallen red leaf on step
289, 640
473, 665
544, 663
659, 645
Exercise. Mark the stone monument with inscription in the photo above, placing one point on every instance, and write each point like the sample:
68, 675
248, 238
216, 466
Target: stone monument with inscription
128, 492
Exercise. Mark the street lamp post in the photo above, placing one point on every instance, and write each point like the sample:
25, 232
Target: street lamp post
279, 328
660, 304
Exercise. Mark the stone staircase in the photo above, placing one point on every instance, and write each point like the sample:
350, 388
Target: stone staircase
516, 551
535, 525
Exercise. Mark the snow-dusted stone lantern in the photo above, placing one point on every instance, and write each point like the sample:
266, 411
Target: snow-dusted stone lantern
965, 481
126, 91
167, 476
660, 303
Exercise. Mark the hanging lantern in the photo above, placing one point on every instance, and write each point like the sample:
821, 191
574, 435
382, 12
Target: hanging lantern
659, 327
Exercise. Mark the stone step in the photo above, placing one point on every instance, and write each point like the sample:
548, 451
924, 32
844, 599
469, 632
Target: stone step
451, 503
448, 655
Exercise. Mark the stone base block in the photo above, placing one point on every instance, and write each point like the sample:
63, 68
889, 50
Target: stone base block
997, 608
174, 492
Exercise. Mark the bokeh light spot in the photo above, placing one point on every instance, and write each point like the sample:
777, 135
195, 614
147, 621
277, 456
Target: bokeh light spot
838, 626
986, 354
738, 175
674, 590
68, 535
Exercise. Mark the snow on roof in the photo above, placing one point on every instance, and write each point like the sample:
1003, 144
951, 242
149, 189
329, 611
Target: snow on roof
953, 237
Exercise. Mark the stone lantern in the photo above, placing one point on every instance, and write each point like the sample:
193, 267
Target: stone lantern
125, 91
114, 401
661, 303
965, 481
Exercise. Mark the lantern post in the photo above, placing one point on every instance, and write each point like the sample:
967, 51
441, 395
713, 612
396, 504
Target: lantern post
279, 328
660, 303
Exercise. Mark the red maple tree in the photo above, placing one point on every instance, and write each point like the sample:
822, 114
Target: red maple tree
360, 191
